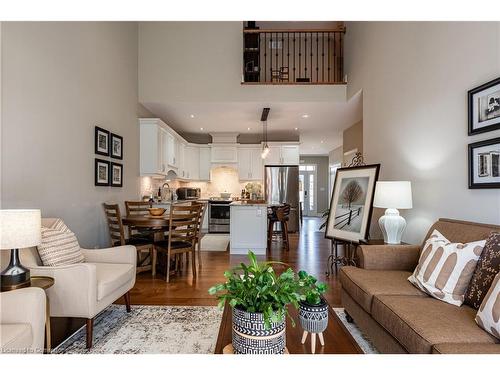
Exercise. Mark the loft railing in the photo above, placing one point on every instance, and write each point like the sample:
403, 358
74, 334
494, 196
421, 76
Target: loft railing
293, 56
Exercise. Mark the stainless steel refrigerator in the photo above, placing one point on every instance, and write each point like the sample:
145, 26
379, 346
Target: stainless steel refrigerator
281, 185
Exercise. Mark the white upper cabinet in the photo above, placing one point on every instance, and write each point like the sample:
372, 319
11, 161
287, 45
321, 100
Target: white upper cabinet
153, 144
171, 150
205, 164
224, 153
192, 155
250, 163
283, 154
181, 154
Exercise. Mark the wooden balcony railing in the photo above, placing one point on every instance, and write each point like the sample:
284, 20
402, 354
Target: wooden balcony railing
293, 56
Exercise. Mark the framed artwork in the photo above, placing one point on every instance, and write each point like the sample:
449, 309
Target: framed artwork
484, 107
352, 203
116, 175
116, 146
101, 172
101, 142
484, 164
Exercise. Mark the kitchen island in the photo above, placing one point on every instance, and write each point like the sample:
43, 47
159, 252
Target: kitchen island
248, 229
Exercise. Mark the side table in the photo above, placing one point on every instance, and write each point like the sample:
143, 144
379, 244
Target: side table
44, 282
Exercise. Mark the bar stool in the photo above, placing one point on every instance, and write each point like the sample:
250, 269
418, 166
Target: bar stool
279, 214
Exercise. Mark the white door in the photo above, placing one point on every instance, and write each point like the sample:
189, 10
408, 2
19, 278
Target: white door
307, 189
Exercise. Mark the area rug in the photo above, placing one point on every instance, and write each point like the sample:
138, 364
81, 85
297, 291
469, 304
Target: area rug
214, 242
364, 342
149, 330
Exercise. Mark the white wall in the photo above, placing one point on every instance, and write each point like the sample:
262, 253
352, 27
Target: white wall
59, 80
207, 60
415, 78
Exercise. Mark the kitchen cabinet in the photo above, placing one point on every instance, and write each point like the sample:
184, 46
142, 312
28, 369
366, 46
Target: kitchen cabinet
152, 149
171, 150
248, 228
192, 155
250, 165
283, 154
205, 164
224, 154
181, 155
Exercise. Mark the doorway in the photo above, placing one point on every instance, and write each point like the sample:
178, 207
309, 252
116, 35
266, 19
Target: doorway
307, 189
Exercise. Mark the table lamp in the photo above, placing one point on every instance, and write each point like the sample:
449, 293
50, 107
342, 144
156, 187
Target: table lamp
18, 229
392, 195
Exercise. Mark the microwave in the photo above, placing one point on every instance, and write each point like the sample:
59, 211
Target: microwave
184, 193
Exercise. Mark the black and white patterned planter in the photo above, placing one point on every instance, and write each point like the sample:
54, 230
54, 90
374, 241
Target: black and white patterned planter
313, 318
250, 336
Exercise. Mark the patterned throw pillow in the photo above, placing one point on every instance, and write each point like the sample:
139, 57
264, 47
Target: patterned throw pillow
444, 269
59, 246
488, 315
487, 267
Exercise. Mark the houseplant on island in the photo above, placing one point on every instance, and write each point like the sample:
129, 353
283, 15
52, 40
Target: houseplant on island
259, 299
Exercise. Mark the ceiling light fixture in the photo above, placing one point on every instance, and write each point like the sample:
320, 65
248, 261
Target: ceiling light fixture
248, 128
322, 141
192, 116
265, 147
296, 128
305, 115
201, 128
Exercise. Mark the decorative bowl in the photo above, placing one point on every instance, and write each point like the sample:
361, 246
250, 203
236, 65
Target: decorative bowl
156, 211
225, 195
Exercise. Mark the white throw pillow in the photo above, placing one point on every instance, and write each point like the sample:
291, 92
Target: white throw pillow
59, 246
445, 269
488, 315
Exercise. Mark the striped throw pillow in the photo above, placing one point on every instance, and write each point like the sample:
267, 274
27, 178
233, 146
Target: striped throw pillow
59, 246
445, 269
488, 315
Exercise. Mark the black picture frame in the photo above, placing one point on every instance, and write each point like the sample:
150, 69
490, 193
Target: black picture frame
495, 122
330, 231
111, 174
98, 163
112, 139
494, 169
99, 142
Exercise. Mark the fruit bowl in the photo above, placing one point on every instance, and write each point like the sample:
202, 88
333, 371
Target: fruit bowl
156, 211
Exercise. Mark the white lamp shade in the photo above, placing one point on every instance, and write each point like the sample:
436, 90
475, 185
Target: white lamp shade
20, 228
393, 194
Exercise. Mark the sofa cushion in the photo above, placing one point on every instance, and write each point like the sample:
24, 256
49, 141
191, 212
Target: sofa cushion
419, 323
59, 246
466, 349
15, 336
444, 269
488, 316
112, 276
362, 285
487, 267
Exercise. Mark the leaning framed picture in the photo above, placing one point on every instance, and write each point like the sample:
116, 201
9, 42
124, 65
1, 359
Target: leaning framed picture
352, 203
484, 164
116, 146
116, 175
484, 107
101, 172
101, 141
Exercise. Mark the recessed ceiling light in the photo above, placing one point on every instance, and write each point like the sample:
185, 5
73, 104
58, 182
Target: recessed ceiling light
192, 116
296, 128
248, 128
305, 115
322, 141
201, 128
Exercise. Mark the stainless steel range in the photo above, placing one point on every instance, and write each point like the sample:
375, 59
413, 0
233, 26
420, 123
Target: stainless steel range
218, 215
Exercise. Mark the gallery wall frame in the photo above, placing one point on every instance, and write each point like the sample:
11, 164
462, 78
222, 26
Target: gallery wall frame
484, 107
484, 164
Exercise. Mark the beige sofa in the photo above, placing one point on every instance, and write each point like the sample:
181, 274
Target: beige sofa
22, 321
398, 317
83, 290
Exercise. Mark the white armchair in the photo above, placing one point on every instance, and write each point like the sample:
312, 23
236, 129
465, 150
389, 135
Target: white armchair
83, 290
22, 320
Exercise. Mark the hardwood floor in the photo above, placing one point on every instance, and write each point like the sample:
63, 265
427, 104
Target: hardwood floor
309, 251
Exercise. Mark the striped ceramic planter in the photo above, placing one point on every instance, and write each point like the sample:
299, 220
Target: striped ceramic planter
250, 336
313, 318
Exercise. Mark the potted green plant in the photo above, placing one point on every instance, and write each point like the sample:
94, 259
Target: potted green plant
259, 298
313, 310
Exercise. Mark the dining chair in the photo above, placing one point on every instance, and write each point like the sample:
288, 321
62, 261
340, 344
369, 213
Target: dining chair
139, 208
117, 236
279, 215
199, 234
182, 236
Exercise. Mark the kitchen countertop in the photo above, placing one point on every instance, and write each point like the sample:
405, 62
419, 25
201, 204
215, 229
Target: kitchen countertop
244, 203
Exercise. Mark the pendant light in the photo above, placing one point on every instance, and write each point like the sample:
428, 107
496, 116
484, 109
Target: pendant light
265, 146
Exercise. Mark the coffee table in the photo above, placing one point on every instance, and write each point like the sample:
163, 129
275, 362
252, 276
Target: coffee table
337, 339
